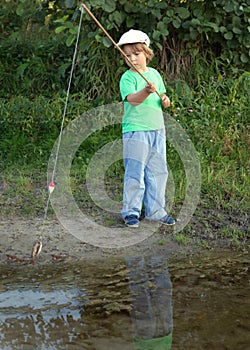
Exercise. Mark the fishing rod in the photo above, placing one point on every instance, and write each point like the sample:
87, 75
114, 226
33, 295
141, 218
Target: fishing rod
38, 244
36, 250
116, 46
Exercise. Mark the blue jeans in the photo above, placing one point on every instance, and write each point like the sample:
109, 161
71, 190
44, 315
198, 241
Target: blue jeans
144, 154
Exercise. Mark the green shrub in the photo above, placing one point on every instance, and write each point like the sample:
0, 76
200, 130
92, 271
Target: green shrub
29, 128
201, 49
37, 42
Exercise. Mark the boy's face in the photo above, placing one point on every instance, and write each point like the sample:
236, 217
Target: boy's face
138, 58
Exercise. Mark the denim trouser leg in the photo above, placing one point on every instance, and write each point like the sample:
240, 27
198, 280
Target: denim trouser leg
145, 173
134, 187
155, 185
151, 287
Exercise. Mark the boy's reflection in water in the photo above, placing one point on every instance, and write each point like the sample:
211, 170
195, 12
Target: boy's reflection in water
152, 310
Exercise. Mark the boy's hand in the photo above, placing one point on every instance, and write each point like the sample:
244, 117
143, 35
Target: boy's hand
165, 101
150, 88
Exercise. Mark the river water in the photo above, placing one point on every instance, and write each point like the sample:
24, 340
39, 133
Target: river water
146, 302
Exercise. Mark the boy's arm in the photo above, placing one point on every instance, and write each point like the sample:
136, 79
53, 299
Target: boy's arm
140, 96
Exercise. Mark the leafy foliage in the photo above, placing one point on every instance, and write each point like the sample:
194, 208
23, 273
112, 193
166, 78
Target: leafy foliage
215, 116
29, 128
38, 36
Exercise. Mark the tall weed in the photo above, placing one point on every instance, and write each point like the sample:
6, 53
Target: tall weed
214, 111
29, 127
215, 114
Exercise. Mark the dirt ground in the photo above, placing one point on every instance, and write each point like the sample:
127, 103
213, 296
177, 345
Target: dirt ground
19, 235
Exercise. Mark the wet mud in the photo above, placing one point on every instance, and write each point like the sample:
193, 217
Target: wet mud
76, 296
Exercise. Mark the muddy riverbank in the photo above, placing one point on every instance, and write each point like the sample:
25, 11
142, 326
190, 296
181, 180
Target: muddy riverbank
18, 236
75, 295
87, 300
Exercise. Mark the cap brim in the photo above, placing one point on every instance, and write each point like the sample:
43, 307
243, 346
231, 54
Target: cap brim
132, 42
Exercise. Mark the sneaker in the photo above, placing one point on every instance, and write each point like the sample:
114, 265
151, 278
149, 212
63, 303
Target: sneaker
167, 220
131, 221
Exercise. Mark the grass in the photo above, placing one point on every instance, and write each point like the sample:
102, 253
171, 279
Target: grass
182, 238
214, 114
231, 231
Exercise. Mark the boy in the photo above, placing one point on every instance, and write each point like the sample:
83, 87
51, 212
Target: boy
144, 141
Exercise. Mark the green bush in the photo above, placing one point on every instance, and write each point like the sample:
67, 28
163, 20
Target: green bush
29, 128
201, 50
37, 42
215, 115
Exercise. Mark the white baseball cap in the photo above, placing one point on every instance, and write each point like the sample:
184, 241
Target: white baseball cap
134, 36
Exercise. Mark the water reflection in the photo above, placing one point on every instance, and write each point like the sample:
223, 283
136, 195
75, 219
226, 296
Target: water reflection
152, 310
31, 316
126, 304
44, 304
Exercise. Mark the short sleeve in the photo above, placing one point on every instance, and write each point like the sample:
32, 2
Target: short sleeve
127, 86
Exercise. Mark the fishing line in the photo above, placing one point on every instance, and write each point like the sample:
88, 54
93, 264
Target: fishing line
38, 245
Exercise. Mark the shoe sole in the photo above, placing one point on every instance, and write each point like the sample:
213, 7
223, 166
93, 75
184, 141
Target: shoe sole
165, 224
133, 226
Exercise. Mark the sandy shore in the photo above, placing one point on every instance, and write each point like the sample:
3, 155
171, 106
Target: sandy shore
18, 237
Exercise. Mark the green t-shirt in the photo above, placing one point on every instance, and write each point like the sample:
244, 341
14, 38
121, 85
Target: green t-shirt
148, 115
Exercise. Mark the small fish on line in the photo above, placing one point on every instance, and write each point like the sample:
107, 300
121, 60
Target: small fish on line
36, 249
